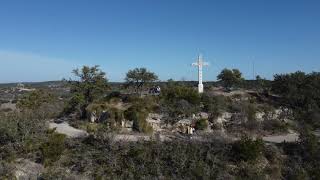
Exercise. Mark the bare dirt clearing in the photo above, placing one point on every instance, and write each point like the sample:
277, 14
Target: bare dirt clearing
65, 128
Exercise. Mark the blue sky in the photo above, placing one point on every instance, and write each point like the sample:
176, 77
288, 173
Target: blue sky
45, 39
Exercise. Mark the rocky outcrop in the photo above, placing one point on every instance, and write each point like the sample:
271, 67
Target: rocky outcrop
155, 121
27, 170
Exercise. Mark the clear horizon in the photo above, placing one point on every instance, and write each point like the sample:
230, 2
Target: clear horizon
42, 40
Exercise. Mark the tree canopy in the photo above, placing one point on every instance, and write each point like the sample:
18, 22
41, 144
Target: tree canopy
230, 78
138, 77
89, 86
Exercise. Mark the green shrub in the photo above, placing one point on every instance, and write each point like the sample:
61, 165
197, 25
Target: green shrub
131, 98
35, 99
6, 135
202, 124
75, 103
275, 126
138, 116
215, 105
53, 148
309, 142
114, 114
181, 108
92, 128
148, 103
249, 171
141, 125
114, 94
8, 153
176, 93
132, 112
247, 149
115, 117
177, 101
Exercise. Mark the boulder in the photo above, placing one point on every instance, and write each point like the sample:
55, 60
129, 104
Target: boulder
155, 121
204, 115
27, 170
224, 117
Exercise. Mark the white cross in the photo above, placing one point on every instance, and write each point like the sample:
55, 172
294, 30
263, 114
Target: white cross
200, 64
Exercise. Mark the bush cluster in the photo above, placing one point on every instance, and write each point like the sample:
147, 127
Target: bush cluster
53, 148
178, 101
215, 105
102, 159
247, 149
300, 92
201, 124
177, 92
138, 113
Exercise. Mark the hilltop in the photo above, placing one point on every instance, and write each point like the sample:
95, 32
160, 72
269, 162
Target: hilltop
89, 128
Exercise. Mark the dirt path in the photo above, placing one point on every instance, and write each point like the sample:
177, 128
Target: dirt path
65, 128
130, 137
292, 137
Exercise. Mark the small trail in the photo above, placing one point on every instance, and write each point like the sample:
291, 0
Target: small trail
65, 128
292, 137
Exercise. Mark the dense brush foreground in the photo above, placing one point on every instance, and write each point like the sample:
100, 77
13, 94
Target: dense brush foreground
101, 158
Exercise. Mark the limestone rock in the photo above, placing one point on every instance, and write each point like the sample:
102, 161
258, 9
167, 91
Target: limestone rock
27, 170
155, 121
204, 115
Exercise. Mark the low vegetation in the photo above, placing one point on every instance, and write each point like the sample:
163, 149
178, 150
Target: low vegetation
291, 103
138, 113
178, 101
201, 124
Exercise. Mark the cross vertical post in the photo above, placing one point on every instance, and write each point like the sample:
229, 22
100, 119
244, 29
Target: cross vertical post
200, 63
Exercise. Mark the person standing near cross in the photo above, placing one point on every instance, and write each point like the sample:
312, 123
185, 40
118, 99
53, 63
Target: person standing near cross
200, 63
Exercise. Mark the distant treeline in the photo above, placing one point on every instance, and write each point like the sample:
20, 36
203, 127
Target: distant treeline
31, 84
247, 84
